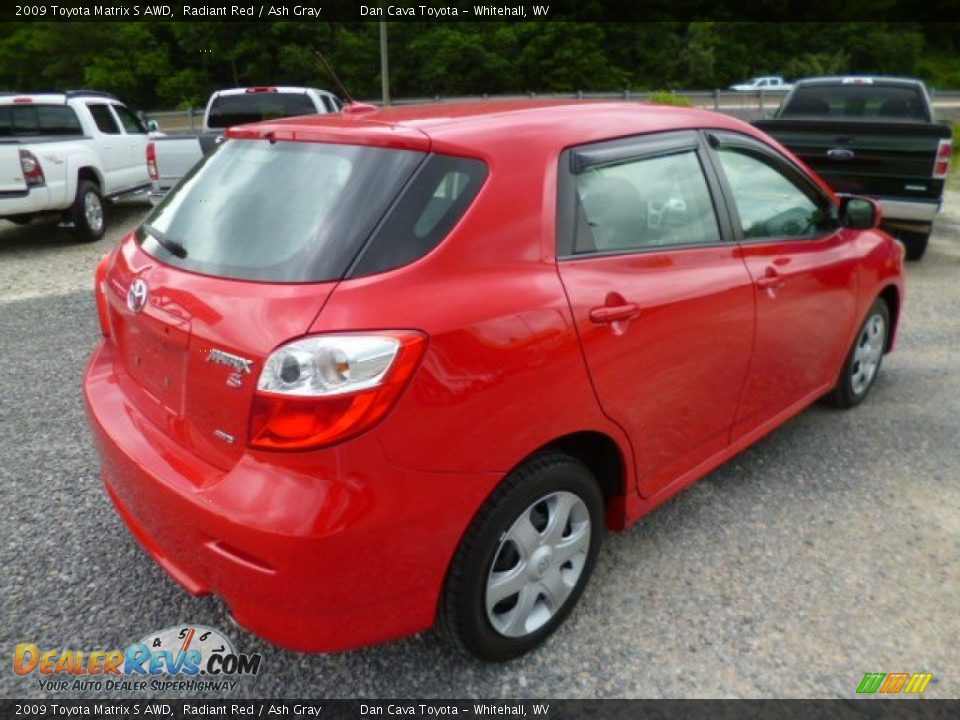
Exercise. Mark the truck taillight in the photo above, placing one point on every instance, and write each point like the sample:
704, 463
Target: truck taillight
100, 292
941, 165
32, 172
324, 389
152, 162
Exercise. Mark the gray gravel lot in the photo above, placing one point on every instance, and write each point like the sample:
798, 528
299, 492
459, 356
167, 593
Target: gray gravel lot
830, 549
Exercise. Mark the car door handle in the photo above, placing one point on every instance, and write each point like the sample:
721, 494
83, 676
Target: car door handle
771, 279
614, 313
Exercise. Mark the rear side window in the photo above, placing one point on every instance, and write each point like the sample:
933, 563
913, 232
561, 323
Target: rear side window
229, 110
131, 123
279, 212
647, 203
430, 206
853, 101
28, 120
104, 119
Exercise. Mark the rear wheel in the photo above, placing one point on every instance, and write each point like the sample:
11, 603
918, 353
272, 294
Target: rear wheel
864, 359
915, 243
525, 560
87, 213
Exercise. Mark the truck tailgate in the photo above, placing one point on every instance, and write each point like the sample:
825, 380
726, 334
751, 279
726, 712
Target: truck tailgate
883, 159
11, 174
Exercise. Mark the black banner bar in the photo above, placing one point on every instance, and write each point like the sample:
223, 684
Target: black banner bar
474, 11
902, 709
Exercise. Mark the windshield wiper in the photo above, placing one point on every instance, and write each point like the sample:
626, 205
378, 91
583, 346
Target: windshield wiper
169, 244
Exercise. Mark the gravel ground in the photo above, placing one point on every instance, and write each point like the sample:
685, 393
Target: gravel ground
828, 550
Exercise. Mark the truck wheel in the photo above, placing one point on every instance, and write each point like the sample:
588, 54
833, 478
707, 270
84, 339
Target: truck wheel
863, 362
915, 242
87, 215
525, 560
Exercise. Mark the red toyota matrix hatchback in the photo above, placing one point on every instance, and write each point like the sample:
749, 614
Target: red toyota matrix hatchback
365, 372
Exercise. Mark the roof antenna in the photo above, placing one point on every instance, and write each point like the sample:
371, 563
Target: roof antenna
352, 107
336, 79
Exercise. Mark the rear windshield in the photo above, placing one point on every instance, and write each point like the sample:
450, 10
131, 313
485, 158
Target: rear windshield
279, 212
229, 110
27, 120
851, 101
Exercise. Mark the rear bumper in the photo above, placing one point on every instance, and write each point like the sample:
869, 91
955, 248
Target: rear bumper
918, 211
317, 551
32, 201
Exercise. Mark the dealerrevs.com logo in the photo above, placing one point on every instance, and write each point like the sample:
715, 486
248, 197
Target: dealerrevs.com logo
181, 659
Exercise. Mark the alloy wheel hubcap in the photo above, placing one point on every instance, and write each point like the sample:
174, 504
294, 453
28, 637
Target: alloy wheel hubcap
866, 356
538, 563
93, 211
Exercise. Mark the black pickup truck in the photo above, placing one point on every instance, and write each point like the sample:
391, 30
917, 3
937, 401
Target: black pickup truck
872, 136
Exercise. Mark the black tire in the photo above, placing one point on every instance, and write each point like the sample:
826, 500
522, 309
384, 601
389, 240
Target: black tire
915, 243
85, 227
848, 392
463, 611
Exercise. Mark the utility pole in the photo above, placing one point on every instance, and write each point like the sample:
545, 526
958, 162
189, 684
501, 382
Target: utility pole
384, 64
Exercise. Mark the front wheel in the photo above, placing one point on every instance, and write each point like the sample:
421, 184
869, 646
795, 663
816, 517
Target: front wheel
525, 560
87, 214
864, 359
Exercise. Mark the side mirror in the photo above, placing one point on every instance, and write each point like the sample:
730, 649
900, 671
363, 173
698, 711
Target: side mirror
859, 213
153, 126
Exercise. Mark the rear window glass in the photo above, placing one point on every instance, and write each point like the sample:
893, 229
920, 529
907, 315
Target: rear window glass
229, 110
38, 120
280, 212
858, 101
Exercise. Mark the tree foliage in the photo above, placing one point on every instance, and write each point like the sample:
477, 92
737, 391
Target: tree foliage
173, 65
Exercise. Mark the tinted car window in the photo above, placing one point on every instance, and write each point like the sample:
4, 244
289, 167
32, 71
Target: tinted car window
131, 123
771, 205
433, 202
858, 101
229, 110
646, 203
104, 119
39, 120
284, 211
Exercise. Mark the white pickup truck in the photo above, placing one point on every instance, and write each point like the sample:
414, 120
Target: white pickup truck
765, 83
169, 158
63, 154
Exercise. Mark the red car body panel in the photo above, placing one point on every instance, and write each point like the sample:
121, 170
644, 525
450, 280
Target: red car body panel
295, 542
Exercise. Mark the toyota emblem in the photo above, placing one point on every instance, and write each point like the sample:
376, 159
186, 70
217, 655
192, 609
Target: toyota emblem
137, 295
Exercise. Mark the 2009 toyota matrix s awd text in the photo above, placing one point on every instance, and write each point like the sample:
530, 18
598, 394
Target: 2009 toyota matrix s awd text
365, 372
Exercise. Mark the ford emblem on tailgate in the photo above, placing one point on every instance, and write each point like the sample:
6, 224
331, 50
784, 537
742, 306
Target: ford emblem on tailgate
137, 295
840, 154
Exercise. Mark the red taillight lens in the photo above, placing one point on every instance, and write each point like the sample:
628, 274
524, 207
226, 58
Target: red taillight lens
152, 162
100, 292
941, 166
326, 389
32, 172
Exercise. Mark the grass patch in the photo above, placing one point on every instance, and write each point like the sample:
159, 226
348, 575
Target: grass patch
665, 97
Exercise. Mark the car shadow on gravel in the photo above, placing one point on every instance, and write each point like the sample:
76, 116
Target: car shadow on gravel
47, 234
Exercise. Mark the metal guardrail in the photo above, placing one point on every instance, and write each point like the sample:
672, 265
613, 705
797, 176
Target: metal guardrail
745, 105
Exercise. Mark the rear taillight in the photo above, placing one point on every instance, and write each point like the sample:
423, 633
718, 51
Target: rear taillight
324, 389
100, 292
941, 166
32, 172
152, 162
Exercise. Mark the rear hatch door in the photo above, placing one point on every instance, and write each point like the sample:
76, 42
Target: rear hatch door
237, 260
